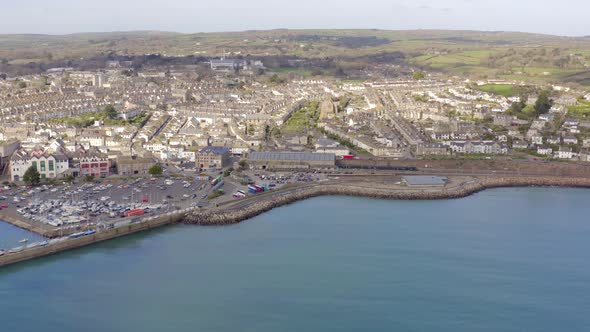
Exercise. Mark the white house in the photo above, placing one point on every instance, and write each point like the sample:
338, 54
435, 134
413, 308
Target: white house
537, 139
49, 166
565, 153
570, 140
544, 151
571, 123
519, 144
546, 117
92, 139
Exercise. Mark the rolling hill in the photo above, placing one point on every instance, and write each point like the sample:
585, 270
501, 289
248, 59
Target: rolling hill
509, 55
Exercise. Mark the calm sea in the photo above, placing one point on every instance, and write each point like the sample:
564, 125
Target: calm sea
501, 260
10, 236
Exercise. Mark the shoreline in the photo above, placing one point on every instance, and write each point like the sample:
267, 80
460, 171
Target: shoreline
27, 226
238, 211
260, 204
220, 216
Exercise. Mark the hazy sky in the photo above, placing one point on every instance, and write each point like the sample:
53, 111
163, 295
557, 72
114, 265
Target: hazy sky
564, 17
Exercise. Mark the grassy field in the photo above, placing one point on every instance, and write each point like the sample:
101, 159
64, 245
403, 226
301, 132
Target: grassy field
466, 58
296, 71
302, 120
581, 110
506, 90
474, 53
542, 70
87, 119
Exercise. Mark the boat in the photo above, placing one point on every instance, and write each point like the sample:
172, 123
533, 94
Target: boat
2, 252
77, 235
38, 244
23, 241
15, 250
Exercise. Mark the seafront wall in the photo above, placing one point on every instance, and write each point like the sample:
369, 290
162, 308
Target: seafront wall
238, 211
72, 243
231, 216
38, 228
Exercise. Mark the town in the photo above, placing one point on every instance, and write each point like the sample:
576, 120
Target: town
81, 147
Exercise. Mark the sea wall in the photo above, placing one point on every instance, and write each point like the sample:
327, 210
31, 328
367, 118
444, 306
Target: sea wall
68, 244
246, 209
231, 216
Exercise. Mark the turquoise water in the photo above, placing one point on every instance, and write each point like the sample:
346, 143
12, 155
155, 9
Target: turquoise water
501, 260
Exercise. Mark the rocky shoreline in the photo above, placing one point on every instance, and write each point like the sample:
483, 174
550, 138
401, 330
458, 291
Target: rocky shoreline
232, 216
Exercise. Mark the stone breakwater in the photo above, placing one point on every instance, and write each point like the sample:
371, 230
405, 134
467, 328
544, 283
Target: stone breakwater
257, 207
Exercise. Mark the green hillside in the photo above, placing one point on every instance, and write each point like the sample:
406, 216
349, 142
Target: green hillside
509, 55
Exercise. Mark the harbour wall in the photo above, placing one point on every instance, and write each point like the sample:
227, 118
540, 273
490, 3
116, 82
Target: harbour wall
231, 216
233, 213
72, 243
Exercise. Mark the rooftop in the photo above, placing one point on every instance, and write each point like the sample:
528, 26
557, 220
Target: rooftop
425, 180
291, 156
214, 149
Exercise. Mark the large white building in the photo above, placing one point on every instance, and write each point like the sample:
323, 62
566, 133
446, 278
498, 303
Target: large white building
479, 147
50, 166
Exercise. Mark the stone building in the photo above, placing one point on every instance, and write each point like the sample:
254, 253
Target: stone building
133, 165
213, 158
291, 160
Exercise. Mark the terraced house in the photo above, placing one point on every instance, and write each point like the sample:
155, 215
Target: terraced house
50, 166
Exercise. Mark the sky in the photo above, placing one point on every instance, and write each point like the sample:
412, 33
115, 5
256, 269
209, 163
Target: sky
564, 17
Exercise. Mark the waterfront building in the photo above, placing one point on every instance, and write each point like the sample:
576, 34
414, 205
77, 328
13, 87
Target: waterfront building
96, 166
432, 149
291, 160
49, 166
213, 158
133, 165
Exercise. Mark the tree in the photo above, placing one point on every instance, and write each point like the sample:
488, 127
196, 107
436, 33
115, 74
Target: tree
243, 163
517, 107
32, 176
340, 72
228, 171
251, 130
110, 111
543, 103
89, 178
418, 75
156, 170
276, 79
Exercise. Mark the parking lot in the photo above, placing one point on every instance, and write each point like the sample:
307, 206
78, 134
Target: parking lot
104, 202
82, 205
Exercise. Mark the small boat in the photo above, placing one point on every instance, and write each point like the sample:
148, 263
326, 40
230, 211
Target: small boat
23, 241
77, 235
15, 250
2, 252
